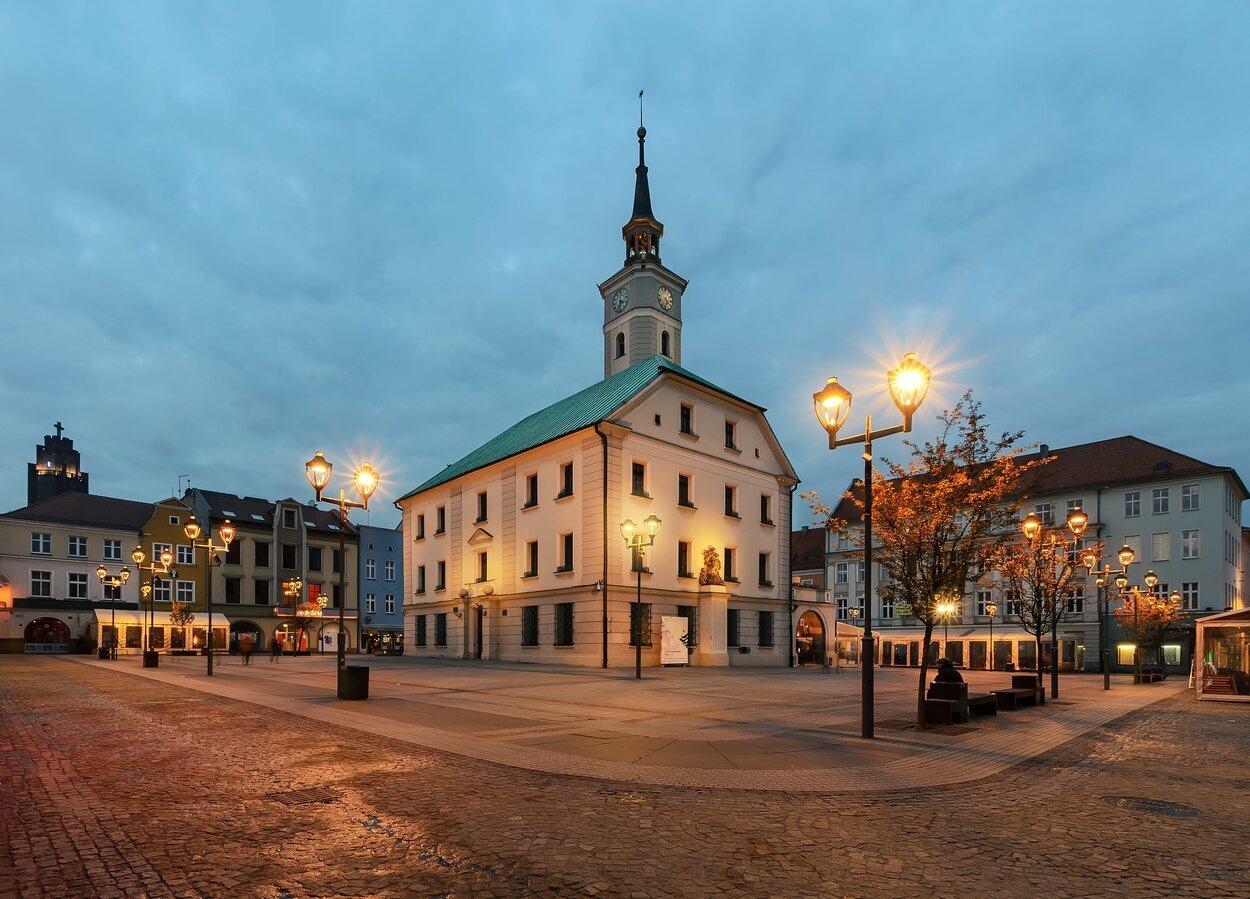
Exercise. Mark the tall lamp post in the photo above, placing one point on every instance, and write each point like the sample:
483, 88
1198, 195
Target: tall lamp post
156, 568
991, 609
1103, 578
194, 530
319, 469
638, 541
853, 611
946, 609
1034, 531
114, 581
1151, 580
908, 385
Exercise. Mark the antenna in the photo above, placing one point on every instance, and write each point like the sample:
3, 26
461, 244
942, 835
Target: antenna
178, 489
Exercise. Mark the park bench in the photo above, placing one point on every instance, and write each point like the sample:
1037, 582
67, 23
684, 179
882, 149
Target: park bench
1149, 676
972, 703
944, 711
1029, 682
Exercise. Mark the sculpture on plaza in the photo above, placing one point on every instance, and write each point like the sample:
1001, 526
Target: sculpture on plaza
710, 573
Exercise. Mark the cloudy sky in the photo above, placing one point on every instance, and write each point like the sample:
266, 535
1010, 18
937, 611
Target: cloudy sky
234, 233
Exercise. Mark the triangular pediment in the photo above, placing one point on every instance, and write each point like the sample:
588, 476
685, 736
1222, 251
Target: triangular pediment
480, 536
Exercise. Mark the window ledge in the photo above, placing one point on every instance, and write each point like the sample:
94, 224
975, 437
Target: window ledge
481, 580
560, 496
528, 506
733, 449
733, 515
440, 533
527, 576
640, 571
440, 589
687, 506
732, 580
640, 495
562, 645
418, 593
689, 435
480, 520
564, 570
766, 584
418, 538
768, 522
686, 574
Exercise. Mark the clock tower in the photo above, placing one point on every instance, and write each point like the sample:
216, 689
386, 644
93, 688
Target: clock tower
642, 301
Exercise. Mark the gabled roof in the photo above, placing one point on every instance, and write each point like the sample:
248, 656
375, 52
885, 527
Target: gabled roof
1115, 462
87, 510
807, 549
584, 409
253, 511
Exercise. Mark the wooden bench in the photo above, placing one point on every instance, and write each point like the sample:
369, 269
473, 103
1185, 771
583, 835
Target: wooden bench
1011, 700
972, 703
1029, 682
943, 711
1149, 676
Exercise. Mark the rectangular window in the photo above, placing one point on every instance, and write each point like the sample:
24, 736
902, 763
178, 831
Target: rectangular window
390, 604
1133, 542
314, 592
421, 630
233, 591
1189, 595
234, 553
288, 518
162, 590
336, 596
731, 434
76, 583
440, 629
40, 544
78, 547
566, 553
1160, 499
420, 578
566, 480
1013, 606
1124, 653
731, 501
640, 623
690, 613
371, 568
1046, 512
1189, 498
841, 572
440, 569
390, 570
483, 567
1160, 547
733, 627
529, 625
766, 629
766, 509
185, 555
314, 558
983, 599
112, 550
421, 527
290, 557
260, 595
683, 491
683, 559
160, 548
262, 553
638, 482
531, 556
111, 593
1075, 505
844, 603
1076, 601
765, 580
185, 592
859, 572
687, 419
336, 561
440, 520
531, 491
1132, 504
371, 603
1189, 544
564, 624
730, 574
481, 507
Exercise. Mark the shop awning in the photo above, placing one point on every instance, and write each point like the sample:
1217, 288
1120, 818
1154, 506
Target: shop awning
159, 619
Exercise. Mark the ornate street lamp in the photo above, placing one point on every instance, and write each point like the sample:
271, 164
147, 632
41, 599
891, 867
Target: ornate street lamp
1033, 529
157, 568
114, 581
638, 540
1104, 577
194, 530
908, 385
991, 609
366, 480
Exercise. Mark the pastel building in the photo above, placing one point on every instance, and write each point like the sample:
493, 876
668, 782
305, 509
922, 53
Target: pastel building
381, 579
516, 552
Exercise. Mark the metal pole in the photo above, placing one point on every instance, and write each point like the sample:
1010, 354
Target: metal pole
1136, 641
991, 642
866, 649
113, 638
1054, 657
1105, 637
342, 572
208, 594
638, 621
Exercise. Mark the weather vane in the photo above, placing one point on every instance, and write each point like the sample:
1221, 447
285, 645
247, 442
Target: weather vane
640, 109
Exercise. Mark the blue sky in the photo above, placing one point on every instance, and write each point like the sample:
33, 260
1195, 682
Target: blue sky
231, 234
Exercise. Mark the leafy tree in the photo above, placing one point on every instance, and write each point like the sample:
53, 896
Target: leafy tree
939, 516
180, 614
1146, 618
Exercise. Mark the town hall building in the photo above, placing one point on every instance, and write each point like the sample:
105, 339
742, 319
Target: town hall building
515, 552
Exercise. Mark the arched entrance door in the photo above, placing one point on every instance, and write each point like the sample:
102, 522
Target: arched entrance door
809, 639
291, 637
47, 635
241, 631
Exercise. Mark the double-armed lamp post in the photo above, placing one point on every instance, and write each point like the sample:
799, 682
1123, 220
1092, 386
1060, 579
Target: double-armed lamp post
194, 530
1151, 580
319, 469
1034, 530
908, 385
157, 568
1103, 578
639, 540
991, 609
115, 582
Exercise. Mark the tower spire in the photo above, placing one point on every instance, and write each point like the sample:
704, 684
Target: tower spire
643, 232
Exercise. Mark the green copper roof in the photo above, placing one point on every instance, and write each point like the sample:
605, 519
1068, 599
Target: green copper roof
581, 410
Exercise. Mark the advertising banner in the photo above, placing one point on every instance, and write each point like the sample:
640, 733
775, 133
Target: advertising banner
673, 640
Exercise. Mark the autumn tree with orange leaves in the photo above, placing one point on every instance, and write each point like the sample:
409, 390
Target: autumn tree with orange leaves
1146, 617
939, 516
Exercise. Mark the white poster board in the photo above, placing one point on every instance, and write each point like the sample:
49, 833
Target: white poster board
673, 640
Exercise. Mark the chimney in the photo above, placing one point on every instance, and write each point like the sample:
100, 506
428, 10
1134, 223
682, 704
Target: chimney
1044, 449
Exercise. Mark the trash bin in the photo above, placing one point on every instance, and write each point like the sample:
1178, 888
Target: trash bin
151, 658
354, 682
104, 652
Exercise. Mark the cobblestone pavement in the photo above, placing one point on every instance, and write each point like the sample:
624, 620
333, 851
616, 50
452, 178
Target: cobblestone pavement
119, 786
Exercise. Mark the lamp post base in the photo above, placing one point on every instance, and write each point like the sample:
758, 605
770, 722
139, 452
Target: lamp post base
151, 659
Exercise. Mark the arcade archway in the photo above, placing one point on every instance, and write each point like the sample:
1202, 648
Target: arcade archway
809, 639
46, 635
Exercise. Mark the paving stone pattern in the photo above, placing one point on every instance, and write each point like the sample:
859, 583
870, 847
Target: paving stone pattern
120, 786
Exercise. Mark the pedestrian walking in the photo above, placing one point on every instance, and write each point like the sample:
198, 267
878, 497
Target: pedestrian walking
275, 649
246, 645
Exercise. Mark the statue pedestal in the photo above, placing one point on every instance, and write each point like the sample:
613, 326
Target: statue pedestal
714, 626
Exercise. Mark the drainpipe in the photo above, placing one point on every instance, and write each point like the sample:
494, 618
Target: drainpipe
603, 439
790, 577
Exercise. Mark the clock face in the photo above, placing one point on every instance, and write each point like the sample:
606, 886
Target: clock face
666, 299
620, 300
